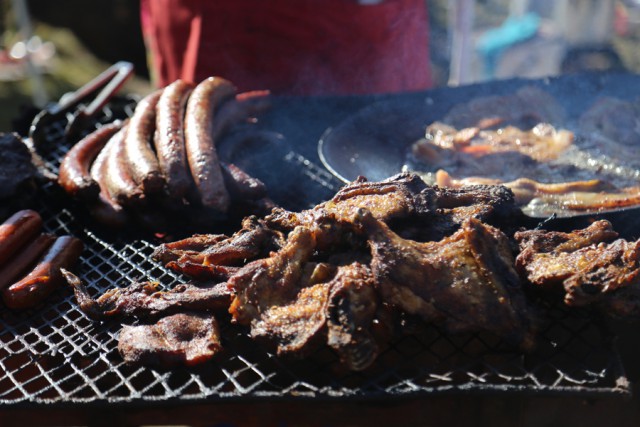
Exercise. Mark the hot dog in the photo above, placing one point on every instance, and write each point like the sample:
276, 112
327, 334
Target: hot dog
45, 277
169, 138
204, 102
74, 176
138, 140
17, 231
20, 263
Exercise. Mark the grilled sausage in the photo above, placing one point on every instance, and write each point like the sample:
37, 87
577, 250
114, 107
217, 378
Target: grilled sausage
120, 185
169, 138
138, 140
74, 176
45, 276
17, 231
104, 209
202, 107
241, 185
26, 258
243, 108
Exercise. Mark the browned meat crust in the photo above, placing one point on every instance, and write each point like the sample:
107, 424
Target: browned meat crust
590, 267
19, 175
179, 339
147, 300
333, 274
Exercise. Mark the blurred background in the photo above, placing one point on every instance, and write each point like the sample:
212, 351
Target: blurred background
50, 48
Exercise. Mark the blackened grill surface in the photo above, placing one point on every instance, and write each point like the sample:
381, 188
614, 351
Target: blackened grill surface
55, 355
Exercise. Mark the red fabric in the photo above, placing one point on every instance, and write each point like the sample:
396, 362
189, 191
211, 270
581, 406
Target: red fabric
291, 46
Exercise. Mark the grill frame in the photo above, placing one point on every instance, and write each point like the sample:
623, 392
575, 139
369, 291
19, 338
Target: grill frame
54, 355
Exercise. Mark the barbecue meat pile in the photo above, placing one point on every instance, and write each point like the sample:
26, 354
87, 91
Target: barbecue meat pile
342, 273
353, 272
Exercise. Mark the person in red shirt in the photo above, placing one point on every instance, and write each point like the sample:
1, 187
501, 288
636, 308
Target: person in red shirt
292, 47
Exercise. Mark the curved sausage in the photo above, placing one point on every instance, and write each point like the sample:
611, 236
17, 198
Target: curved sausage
45, 276
19, 265
243, 108
73, 175
17, 231
241, 185
204, 102
169, 138
138, 140
120, 185
104, 209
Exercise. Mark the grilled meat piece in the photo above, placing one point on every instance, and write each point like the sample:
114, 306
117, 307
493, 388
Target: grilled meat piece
297, 324
465, 282
18, 175
204, 256
591, 267
145, 299
180, 339
271, 281
411, 207
351, 312
542, 252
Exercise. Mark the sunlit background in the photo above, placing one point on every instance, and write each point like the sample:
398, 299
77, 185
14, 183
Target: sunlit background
49, 48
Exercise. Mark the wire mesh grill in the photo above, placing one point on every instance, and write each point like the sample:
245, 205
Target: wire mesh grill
54, 354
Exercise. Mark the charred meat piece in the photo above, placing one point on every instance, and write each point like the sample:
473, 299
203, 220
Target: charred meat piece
409, 205
204, 256
271, 281
296, 324
18, 175
145, 299
591, 267
465, 282
180, 339
351, 311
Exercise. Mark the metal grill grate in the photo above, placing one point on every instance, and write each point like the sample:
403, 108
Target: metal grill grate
54, 354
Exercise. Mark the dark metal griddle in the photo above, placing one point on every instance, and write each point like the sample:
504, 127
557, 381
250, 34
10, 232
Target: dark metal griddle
54, 355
